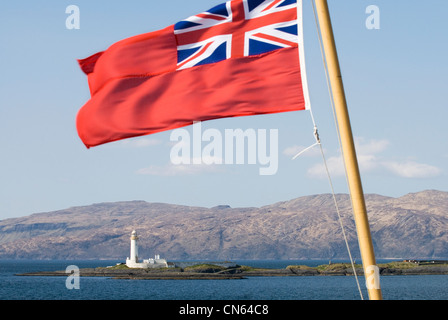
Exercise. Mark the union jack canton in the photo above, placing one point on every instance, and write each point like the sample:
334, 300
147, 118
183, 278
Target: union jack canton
237, 28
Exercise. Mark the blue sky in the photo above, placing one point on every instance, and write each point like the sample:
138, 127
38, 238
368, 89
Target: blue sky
394, 77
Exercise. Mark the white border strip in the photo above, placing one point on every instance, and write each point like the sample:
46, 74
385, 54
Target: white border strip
301, 52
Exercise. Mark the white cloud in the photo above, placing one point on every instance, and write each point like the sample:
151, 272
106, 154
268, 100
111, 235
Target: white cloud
139, 142
366, 154
411, 169
370, 147
171, 169
370, 159
335, 167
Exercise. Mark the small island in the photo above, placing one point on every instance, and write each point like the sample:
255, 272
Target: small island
160, 269
228, 270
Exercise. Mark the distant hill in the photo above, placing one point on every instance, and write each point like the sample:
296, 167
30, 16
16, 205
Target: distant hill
412, 226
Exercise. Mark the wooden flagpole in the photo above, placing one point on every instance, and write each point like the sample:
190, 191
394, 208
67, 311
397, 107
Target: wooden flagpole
371, 271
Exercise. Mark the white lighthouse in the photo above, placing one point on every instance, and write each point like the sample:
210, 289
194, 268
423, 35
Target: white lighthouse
133, 262
134, 247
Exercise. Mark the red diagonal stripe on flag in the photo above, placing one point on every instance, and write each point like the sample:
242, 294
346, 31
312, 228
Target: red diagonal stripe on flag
273, 4
210, 16
275, 39
197, 54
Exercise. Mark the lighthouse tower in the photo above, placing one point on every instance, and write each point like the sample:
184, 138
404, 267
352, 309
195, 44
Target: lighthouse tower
133, 262
134, 247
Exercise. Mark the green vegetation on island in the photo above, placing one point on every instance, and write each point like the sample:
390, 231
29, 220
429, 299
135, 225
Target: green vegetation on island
234, 271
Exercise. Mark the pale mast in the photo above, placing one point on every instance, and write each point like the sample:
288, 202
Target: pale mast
371, 271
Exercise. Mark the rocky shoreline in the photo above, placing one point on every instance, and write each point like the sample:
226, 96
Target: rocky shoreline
212, 272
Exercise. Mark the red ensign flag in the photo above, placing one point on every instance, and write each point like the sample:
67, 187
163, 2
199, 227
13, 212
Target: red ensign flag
239, 58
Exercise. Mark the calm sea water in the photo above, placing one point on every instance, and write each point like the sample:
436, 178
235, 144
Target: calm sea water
13, 287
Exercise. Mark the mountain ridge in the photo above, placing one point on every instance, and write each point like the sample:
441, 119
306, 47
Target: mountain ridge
411, 226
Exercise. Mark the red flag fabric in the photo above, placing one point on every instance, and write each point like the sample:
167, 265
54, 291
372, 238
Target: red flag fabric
239, 58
